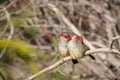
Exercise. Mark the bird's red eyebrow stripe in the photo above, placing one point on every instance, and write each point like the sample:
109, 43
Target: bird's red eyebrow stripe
67, 37
78, 37
63, 35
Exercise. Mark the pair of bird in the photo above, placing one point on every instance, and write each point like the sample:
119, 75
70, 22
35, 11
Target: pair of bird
72, 47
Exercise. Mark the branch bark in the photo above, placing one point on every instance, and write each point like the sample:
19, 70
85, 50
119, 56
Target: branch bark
61, 61
112, 41
101, 50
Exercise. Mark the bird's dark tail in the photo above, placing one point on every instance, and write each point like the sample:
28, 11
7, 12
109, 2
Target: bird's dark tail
92, 57
75, 61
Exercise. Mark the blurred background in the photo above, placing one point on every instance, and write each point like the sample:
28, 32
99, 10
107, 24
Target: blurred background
29, 33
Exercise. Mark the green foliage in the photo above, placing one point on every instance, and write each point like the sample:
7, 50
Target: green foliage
57, 56
19, 48
2, 1
30, 32
17, 20
59, 76
41, 54
2, 24
5, 72
16, 47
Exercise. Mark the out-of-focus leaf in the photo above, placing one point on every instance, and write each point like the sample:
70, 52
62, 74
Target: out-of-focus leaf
17, 20
2, 1
57, 56
30, 32
19, 48
5, 72
58, 76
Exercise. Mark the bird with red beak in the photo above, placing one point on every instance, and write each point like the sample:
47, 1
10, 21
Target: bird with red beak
77, 48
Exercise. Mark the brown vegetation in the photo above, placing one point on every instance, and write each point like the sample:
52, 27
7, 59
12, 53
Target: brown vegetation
38, 23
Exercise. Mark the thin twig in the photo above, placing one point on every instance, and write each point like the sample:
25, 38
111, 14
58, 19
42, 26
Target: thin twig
103, 50
11, 31
116, 32
11, 3
112, 41
10, 23
61, 15
49, 68
3, 50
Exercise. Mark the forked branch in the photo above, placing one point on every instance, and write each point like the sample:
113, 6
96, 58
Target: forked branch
101, 50
112, 41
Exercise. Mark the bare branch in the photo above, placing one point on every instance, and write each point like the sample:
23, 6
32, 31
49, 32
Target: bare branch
10, 23
49, 68
101, 50
112, 41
